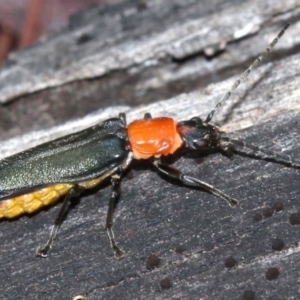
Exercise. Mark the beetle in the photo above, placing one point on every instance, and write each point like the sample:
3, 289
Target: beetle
71, 164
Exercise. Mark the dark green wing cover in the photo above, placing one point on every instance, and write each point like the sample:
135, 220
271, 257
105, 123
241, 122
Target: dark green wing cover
73, 158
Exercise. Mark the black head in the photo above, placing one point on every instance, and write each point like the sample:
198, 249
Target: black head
197, 134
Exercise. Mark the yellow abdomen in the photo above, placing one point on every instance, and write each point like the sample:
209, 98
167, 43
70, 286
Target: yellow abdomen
33, 201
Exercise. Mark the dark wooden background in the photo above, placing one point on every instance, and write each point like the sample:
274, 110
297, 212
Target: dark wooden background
173, 58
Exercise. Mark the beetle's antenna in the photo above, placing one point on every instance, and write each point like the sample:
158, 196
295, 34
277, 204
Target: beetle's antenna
266, 154
247, 72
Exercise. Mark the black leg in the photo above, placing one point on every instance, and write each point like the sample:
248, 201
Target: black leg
147, 116
114, 198
190, 181
122, 116
227, 151
73, 192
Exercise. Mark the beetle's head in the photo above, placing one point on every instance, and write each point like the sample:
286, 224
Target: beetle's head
197, 134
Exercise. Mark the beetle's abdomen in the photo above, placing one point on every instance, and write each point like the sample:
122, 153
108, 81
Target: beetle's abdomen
31, 202
153, 137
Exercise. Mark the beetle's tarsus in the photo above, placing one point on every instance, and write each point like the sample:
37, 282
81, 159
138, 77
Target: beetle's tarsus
233, 202
43, 252
118, 252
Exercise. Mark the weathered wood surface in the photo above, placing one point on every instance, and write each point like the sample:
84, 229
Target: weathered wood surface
136, 56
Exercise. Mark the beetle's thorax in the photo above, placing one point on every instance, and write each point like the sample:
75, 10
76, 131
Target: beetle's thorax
163, 136
153, 137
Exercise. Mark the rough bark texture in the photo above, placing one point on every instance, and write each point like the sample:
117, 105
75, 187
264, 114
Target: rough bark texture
136, 54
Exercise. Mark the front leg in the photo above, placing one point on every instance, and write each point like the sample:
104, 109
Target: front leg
190, 181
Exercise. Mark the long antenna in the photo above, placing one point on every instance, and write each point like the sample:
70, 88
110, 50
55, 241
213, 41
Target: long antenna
247, 72
264, 153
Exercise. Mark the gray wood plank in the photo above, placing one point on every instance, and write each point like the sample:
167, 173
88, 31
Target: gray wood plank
196, 236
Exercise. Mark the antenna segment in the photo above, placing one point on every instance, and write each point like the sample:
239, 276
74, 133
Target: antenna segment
247, 72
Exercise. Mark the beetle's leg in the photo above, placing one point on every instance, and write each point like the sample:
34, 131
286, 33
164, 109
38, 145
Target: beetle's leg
122, 116
227, 151
147, 116
114, 199
73, 192
190, 181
